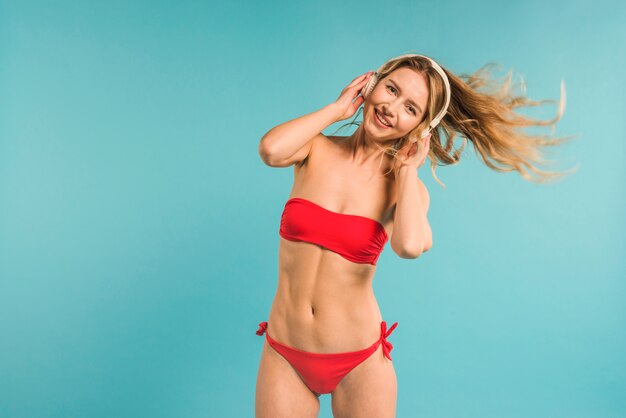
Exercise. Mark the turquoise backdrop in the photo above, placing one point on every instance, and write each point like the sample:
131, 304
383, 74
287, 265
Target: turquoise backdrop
139, 227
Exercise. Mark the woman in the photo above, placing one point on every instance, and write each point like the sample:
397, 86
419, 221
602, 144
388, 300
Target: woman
350, 196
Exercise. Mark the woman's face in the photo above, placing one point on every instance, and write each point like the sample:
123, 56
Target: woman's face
400, 98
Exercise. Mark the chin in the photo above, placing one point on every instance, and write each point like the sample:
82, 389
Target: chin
371, 128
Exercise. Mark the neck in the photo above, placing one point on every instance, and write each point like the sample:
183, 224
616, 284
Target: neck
364, 149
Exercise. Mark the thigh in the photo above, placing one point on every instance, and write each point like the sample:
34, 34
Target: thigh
280, 393
368, 391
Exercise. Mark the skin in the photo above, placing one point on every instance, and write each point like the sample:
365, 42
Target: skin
325, 303
397, 109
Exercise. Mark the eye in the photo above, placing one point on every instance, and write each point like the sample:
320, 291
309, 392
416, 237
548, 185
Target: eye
394, 90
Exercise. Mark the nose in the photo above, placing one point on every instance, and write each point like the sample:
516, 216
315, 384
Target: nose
387, 110
390, 108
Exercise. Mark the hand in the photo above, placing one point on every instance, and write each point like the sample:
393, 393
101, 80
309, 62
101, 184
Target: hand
414, 154
346, 108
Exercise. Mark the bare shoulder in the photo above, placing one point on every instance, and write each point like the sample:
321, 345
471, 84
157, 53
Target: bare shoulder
304, 154
299, 157
316, 146
337, 140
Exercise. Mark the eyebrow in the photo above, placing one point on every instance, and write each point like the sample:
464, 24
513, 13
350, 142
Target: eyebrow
410, 100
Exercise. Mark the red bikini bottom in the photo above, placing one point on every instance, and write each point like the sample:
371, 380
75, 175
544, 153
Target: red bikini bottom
322, 372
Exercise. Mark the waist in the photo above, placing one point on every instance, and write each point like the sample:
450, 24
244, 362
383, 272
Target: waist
324, 321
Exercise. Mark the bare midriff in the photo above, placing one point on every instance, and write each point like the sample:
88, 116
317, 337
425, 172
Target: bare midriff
324, 303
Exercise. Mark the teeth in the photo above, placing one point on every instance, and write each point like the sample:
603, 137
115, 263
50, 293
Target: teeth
381, 119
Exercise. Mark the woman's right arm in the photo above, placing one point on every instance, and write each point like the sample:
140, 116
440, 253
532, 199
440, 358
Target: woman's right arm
290, 142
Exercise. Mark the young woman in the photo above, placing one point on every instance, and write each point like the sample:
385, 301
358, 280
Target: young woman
325, 332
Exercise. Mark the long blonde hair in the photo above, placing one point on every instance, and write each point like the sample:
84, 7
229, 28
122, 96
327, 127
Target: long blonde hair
486, 118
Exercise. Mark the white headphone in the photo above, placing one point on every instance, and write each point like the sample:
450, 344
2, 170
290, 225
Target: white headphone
371, 83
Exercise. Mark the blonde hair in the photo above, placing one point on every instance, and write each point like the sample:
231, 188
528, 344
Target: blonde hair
486, 118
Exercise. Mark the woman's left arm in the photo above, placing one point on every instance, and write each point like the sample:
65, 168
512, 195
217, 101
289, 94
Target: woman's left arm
411, 234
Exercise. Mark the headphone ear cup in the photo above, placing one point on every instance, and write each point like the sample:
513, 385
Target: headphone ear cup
369, 86
413, 137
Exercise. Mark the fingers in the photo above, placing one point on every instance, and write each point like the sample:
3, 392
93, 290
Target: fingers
360, 85
358, 102
361, 79
353, 91
427, 140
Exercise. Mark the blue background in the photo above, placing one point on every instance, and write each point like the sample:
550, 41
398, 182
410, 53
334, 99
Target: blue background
139, 226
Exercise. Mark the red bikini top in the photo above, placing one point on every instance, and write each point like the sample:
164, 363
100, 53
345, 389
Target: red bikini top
356, 238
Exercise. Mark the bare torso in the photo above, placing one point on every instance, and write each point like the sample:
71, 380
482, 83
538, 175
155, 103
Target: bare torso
325, 303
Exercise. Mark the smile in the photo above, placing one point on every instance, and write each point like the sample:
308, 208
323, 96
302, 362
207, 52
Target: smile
381, 122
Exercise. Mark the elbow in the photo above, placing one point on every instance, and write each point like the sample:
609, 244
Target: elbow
427, 244
268, 154
409, 254
265, 154
414, 251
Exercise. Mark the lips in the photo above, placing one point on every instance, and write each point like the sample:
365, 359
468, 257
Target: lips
378, 115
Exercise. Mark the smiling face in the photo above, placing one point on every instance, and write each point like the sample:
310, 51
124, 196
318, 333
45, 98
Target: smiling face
400, 99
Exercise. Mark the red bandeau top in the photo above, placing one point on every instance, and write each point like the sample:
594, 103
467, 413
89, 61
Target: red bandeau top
356, 238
